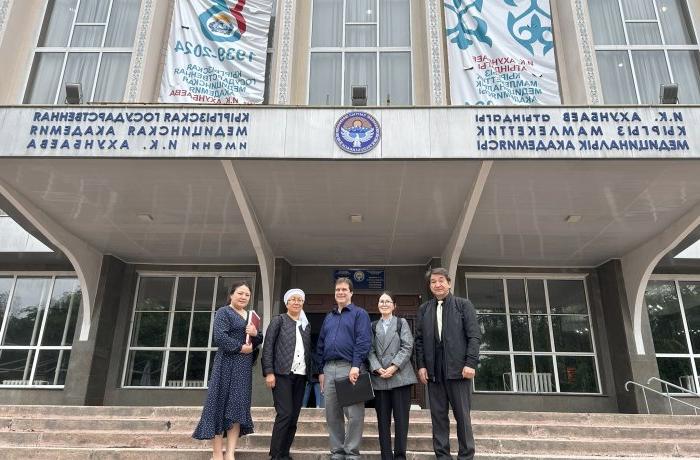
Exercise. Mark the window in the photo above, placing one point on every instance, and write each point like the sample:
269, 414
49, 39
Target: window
87, 42
170, 341
641, 44
39, 315
536, 335
674, 317
360, 43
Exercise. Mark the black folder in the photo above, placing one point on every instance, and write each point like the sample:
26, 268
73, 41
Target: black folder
349, 394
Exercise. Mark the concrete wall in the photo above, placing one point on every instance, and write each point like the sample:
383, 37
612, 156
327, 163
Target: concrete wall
17, 48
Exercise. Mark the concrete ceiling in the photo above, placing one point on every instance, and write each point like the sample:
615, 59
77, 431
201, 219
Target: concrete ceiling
521, 219
409, 208
195, 216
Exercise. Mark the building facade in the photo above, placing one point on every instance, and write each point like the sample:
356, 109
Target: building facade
125, 219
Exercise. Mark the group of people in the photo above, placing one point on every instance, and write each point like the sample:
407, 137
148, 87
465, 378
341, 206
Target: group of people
446, 350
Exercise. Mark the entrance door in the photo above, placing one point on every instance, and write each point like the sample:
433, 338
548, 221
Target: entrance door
317, 306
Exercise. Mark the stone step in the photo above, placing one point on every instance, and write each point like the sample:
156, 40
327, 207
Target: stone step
72, 453
418, 427
319, 442
261, 413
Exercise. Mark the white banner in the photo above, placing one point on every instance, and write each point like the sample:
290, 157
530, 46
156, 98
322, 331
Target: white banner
501, 52
217, 52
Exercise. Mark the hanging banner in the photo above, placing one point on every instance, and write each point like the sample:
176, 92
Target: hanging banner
501, 52
217, 52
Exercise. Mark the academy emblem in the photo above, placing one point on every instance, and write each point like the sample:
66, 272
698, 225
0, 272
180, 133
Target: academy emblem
223, 22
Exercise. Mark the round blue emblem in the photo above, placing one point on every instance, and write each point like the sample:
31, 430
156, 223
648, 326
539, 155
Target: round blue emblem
359, 276
357, 132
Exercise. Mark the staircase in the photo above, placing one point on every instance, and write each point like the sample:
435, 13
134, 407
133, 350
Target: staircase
150, 433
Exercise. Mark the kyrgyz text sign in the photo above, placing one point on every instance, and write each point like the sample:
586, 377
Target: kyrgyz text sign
296, 132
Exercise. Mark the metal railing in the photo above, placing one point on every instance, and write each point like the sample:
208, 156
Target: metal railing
670, 398
666, 384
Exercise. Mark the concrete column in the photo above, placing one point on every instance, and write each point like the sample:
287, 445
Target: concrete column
626, 364
86, 260
580, 81
90, 360
283, 282
638, 264
20, 26
266, 259
450, 256
436, 52
280, 92
5, 7
150, 42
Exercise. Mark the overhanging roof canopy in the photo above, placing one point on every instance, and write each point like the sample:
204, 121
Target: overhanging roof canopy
409, 208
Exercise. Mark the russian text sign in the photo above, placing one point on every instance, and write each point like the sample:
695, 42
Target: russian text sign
299, 132
217, 52
501, 52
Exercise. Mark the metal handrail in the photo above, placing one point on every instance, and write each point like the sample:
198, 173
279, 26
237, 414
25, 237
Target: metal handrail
667, 396
669, 384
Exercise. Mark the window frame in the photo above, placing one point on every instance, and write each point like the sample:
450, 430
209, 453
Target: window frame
210, 349
676, 280
545, 277
38, 348
67, 50
665, 48
376, 50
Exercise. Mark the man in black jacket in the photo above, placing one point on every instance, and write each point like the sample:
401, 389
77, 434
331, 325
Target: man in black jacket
447, 353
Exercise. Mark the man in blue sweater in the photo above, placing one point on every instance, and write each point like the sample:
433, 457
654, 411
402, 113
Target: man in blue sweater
341, 351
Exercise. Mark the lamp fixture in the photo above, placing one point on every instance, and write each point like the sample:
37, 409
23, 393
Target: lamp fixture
144, 217
356, 218
668, 93
74, 94
359, 96
572, 219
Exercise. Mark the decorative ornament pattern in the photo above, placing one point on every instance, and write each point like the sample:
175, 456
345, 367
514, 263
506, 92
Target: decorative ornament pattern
587, 52
139, 53
5, 7
285, 51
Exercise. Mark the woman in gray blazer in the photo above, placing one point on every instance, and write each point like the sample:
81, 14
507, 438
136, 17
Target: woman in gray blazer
392, 377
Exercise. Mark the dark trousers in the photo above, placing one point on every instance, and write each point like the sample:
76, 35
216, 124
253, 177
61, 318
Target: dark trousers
458, 394
398, 401
287, 395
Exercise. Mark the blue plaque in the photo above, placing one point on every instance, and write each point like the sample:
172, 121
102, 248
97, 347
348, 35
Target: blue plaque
362, 279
